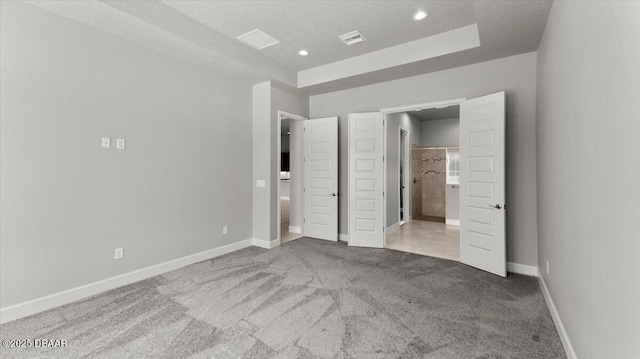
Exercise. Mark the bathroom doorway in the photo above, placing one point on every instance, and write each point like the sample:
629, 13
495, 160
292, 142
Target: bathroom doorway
423, 210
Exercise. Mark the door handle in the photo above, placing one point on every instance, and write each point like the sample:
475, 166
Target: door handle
334, 194
496, 206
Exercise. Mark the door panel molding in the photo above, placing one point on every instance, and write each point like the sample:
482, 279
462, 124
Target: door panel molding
321, 178
482, 183
366, 180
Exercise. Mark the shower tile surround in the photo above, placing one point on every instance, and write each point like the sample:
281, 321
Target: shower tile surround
429, 183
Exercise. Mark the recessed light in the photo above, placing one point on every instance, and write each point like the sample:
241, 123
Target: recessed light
303, 52
420, 15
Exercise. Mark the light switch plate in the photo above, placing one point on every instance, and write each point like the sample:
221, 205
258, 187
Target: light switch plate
225, 230
261, 183
119, 253
106, 142
120, 143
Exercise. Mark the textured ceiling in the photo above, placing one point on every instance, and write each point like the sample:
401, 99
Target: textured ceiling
203, 32
506, 28
316, 25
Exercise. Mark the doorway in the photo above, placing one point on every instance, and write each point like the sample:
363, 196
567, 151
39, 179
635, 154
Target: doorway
290, 180
426, 197
482, 233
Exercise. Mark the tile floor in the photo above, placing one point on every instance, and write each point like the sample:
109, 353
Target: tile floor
285, 235
427, 238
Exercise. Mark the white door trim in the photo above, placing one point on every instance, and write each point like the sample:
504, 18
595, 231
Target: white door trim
404, 180
292, 116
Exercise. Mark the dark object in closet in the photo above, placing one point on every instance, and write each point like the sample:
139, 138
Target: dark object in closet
284, 162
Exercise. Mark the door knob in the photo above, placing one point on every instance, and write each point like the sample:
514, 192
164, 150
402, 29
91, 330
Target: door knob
497, 206
334, 194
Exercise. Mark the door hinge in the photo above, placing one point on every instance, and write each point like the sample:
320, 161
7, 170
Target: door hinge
382, 193
304, 190
304, 220
383, 158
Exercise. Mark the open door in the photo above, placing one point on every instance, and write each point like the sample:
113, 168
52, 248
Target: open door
366, 178
482, 183
321, 178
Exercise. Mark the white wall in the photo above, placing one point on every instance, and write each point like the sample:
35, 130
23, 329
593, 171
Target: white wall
66, 202
394, 122
261, 120
441, 133
516, 75
588, 173
268, 99
285, 189
452, 198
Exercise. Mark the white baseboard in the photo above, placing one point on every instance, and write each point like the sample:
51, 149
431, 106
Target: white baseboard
293, 229
522, 269
343, 237
453, 222
263, 243
564, 338
38, 305
392, 228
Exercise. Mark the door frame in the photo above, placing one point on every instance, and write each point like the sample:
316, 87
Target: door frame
403, 182
293, 117
405, 108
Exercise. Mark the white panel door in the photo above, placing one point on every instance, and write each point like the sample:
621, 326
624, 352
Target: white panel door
366, 180
321, 178
482, 183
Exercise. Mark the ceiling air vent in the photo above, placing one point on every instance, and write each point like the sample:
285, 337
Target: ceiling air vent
257, 39
352, 37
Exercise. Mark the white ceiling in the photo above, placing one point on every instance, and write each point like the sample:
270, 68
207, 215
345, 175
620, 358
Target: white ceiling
316, 25
432, 114
204, 32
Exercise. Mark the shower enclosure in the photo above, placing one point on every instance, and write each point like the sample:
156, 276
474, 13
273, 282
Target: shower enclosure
430, 179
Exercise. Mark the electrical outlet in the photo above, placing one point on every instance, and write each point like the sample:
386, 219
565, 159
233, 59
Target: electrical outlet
119, 253
106, 142
547, 267
225, 230
120, 143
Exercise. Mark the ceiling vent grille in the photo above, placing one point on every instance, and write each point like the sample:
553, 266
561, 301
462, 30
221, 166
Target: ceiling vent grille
351, 38
258, 39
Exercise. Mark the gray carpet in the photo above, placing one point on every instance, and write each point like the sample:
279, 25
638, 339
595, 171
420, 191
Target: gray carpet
305, 299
